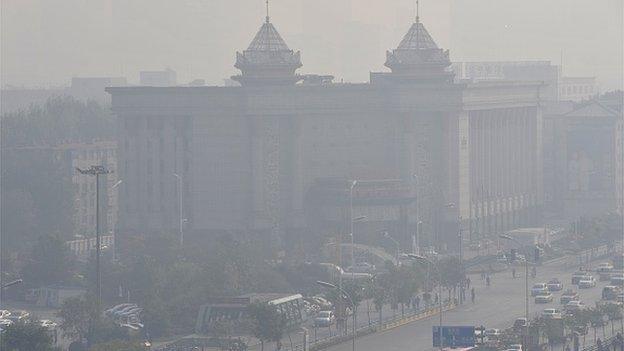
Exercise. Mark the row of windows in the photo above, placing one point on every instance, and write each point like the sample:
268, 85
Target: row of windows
577, 89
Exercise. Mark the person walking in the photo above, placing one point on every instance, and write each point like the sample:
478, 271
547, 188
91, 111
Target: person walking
487, 281
513, 273
472, 295
417, 301
468, 283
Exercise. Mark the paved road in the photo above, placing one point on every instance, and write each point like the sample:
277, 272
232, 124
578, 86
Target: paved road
496, 306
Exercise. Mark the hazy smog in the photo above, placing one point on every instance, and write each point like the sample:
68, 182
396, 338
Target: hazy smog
306, 175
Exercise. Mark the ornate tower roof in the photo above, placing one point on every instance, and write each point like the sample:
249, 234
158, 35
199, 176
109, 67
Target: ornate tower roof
267, 60
418, 58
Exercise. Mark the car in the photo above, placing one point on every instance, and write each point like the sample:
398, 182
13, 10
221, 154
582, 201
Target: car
567, 296
515, 347
362, 267
46, 323
118, 307
610, 292
544, 298
4, 314
574, 305
324, 319
551, 313
5, 323
620, 298
538, 289
617, 279
554, 285
576, 276
587, 282
520, 323
492, 334
18, 315
604, 267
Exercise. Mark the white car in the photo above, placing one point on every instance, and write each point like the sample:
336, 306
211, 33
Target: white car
492, 334
587, 282
46, 323
515, 347
551, 313
539, 289
4, 314
5, 323
617, 280
18, 315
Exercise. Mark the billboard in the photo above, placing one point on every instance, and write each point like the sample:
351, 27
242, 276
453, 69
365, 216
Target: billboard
454, 336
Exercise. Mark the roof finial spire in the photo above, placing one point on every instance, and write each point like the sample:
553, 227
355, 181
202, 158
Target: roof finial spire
267, 11
417, 10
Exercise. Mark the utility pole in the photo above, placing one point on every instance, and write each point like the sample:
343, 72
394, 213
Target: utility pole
97, 171
180, 211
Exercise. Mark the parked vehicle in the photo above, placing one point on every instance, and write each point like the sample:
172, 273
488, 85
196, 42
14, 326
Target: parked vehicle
551, 313
492, 334
574, 305
604, 267
587, 282
4, 314
520, 323
554, 285
18, 315
544, 298
538, 289
576, 276
568, 295
617, 280
324, 319
5, 323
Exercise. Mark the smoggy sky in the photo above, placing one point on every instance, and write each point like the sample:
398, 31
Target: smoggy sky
45, 42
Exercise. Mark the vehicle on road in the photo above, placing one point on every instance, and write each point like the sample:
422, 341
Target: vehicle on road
362, 267
576, 276
520, 323
620, 298
604, 267
46, 323
574, 305
567, 296
617, 279
515, 347
544, 298
538, 289
324, 319
18, 315
492, 334
554, 285
610, 292
5, 323
587, 282
4, 314
551, 313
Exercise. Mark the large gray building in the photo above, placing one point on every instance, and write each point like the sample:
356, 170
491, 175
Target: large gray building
275, 157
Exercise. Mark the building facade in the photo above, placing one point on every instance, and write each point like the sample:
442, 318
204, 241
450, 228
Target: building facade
290, 159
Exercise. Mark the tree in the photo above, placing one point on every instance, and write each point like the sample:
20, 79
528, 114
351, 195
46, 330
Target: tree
268, 324
26, 336
50, 262
80, 320
118, 345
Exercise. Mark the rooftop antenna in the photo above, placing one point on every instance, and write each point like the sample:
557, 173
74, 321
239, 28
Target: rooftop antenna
267, 11
417, 12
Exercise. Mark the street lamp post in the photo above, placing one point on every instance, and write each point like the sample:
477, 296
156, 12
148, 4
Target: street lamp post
432, 264
97, 171
396, 243
353, 220
342, 292
180, 210
114, 234
526, 287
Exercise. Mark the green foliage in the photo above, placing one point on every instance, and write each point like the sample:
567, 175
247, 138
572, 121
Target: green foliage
450, 269
80, 320
26, 336
268, 325
50, 262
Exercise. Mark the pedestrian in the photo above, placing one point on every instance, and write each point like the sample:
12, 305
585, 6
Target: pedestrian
487, 280
513, 273
417, 301
482, 274
467, 283
472, 295
437, 298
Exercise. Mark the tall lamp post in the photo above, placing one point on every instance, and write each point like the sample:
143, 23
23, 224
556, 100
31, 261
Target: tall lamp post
526, 287
396, 243
97, 171
115, 186
353, 220
342, 292
180, 209
432, 264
